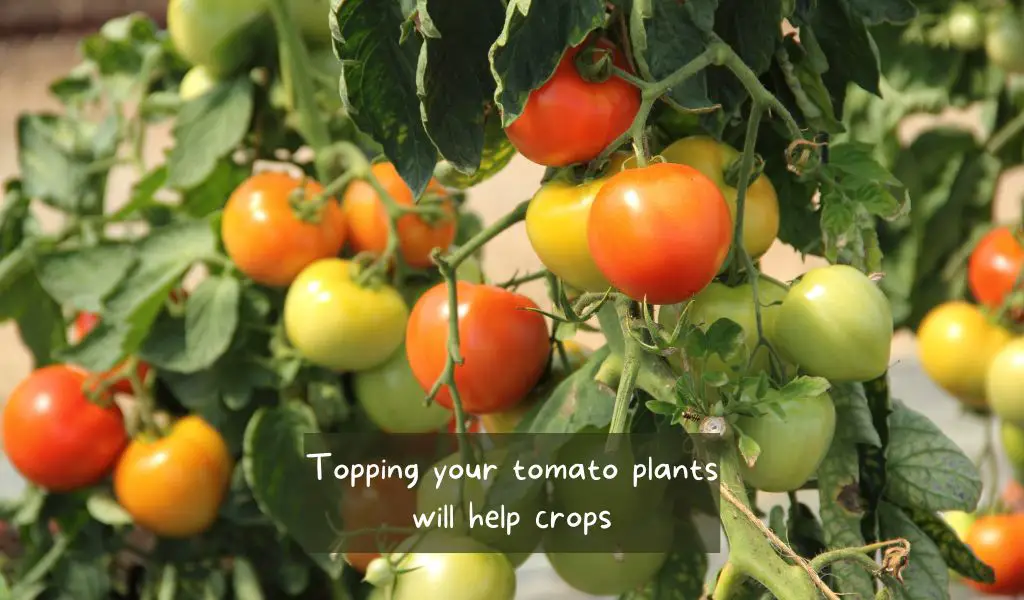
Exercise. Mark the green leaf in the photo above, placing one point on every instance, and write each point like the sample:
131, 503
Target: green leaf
853, 416
497, 153
82, 576
880, 11
954, 551
715, 379
15, 217
857, 160
926, 576
924, 468
211, 317
577, 402
777, 523
207, 129
54, 161
378, 84
100, 350
453, 79
245, 581
805, 387
752, 29
725, 338
40, 323
533, 40
105, 509
661, 408
213, 193
275, 466
805, 532
750, 450
83, 277
846, 44
669, 36
805, 75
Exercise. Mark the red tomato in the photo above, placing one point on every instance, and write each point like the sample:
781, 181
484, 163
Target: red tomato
661, 232
267, 240
569, 119
504, 347
84, 323
55, 437
367, 219
995, 540
994, 266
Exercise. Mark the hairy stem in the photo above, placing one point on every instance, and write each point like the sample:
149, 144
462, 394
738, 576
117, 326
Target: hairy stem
626, 310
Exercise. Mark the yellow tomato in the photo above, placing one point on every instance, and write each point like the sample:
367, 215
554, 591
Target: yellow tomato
1005, 382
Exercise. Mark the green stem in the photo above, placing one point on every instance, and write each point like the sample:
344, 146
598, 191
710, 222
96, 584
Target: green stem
487, 234
729, 583
860, 555
626, 311
1005, 134
521, 279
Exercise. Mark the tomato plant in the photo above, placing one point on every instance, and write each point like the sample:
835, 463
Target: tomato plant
56, 437
659, 233
504, 345
995, 266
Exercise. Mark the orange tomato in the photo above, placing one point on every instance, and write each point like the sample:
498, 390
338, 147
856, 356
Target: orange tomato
367, 218
387, 502
995, 540
994, 266
265, 237
174, 486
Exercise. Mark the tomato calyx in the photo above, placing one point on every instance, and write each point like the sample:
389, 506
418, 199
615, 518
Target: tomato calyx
594, 63
307, 209
733, 172
380, 572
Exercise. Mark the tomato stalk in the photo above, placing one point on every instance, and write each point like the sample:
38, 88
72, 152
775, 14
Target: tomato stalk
1005, 135
860, 555
626, 309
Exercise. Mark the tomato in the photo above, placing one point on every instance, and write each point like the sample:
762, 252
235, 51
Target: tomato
556, 223
196, 82
1012, 437
264, 236
778, 468
432, 496
995, 540
507, 421
174, 486
385, 502
994, 266
966, 26
719, 301
609, 573
1004, 382
503, 345
367, 219
455, 568
661, 232
394, 400
1004, 42
336, 323
312, 18
84, 323
570, 120
835, 323
761, 205
956, 343
54, 436
218, 34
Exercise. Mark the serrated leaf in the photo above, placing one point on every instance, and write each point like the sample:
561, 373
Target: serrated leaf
844, 40
453, 78
82, 278
750, 450
725, 338
924, 468
533, 40
208, 128
805, 387
54, 164
578, 402
378, 84
926, 576
955, 553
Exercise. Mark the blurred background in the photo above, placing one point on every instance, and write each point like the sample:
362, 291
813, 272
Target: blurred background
38, 43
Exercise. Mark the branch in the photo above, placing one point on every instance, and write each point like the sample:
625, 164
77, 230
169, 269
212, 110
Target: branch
625, 309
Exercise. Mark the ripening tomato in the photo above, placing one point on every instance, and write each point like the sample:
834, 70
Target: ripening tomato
1004, 42
174, 486
761, 204
1004, 382
394, 400
660, 232
503, 344
956, 344
995, 264
385, 502
266, 237
367, 219
995, 540
570, 120
335, 323
1012, 438
218, 34
966, 26
84, 323
54, 436
837, 324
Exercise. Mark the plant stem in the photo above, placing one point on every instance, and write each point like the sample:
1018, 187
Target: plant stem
521, 279
487, 234
626, 311
729, 581
1005, 134
859, 555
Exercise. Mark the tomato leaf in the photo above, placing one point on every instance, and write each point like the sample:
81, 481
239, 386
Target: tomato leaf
208, 128
497, 152
805, 387
924, 468
275, 467
212, 193
682, 575
846, 44
749, 448
953, 550
667, 37
853, 416
725, 338
454, 80
54, 159
926, 575
533, 40
804, 531
752, 29
880, 11
378, 84
578, 402
82, 278
40, 323
105, 509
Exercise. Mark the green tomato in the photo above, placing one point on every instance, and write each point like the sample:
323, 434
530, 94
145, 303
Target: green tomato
394, 400
837, 324
313, 19
196, 82
781, 467
1004, 383
221, 35
1004, 42
1012, 437
335, 323
966, 26
465, 570
608, 573
718, 301
429, 497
